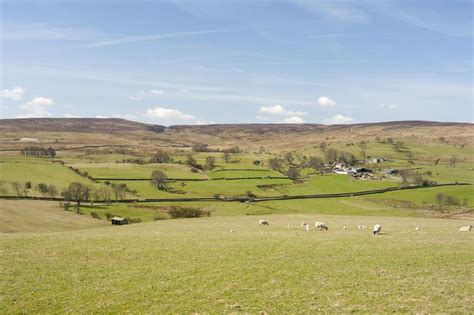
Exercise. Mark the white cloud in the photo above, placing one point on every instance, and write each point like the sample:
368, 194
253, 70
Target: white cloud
325, 101
279, 110
204, 122
135, 98
388, 106
36, 108
167, 113
262, 117
293, 120
338, 119
70, 116
157, 92
14, 94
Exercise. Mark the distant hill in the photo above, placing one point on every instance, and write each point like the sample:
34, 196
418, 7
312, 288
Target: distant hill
64, 133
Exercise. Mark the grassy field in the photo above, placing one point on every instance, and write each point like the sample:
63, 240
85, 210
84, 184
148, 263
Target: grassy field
37, 171
45, 216
200, 266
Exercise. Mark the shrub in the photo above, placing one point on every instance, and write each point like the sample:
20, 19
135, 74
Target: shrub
95, 215
178, 212
448, 200
160, 216
134, 220
250, 194
109, 215
66, 205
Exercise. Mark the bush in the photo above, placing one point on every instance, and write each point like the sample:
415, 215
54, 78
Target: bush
134, 220
95, 215
109, 215
178, 212
160, 216
448, 200
250, 194
66, 205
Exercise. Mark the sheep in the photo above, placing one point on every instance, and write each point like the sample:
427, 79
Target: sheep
263, 222
321, 226
465, 228
362, 227
306, 227
344, 227
231, 231
417, 228
303, 224
377, 229
288, 226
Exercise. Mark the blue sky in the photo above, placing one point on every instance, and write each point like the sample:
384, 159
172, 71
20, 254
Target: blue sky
195, 62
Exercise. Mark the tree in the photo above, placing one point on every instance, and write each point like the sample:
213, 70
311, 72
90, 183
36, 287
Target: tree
76, 192
191, 161
293, 173
43, 189
315, 163
104, 193
323, 146
18, 188
158, 179
275, 164
210, 163
52, 191
331, 155
3, 190
50, 152
161, 157
399, 145
289, 158
28, 185
119, 190
453, 160
226, 157
346, 157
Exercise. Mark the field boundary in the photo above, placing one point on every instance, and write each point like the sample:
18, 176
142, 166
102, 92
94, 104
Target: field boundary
249, 199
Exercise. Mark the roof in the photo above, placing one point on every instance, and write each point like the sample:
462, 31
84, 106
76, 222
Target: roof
117, 218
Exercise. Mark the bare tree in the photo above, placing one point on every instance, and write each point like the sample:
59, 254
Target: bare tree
52, 191
119, 190
18, 188
159, 180
453, 160
293, 173
210, 163
227, 157
76, 192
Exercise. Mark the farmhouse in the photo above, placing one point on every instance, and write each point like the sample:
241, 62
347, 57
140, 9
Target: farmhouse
118, 221
376, 159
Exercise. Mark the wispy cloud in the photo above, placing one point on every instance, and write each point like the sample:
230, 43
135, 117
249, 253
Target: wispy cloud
42, 32
345, 11
299, 62
13, 94
153, 37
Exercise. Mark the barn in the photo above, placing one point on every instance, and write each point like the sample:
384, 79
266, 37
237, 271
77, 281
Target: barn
118, 221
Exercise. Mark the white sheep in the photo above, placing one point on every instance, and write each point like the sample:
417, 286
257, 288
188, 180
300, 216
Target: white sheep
303, 224
417, 228
344, 227
306, 227
362, 227
377, 229
465, 228
263, 222
321, 226
231, 231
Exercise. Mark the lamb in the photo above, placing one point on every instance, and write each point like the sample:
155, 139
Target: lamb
465, 228
263, 222
362, 227
321, 226
377, 229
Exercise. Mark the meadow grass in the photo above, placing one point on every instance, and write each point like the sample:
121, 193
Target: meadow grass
200, 266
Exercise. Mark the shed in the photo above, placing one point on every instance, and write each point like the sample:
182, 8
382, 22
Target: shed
118, 221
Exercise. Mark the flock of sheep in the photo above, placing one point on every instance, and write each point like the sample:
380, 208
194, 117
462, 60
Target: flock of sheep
376, 229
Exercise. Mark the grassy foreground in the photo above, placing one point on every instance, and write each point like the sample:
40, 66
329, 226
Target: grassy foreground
199, 265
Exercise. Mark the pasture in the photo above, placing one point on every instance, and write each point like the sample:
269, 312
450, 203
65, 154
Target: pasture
200, 266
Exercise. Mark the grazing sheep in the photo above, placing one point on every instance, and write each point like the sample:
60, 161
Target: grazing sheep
362, 227
321, 226
377, 229
288, 226
306, 227
465, 228
263, 222
303, 224
231, 231
417, 228
344, 227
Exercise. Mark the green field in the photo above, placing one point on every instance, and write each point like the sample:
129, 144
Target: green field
200, 266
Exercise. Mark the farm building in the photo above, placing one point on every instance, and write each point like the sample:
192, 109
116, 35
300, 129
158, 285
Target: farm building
118, 221
376, 159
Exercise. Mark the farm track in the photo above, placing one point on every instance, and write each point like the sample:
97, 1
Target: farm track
260, 199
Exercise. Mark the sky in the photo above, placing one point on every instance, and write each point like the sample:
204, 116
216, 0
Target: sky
248, 61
